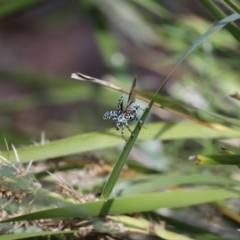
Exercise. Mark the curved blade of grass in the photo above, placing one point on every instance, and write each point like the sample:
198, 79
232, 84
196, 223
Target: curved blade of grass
141, 223
155, 8
209, 119
228, 159
168, 235
211, 31
123, 157
199, 232
99, 140
219, 14
232, 5
157, 182
226, 211
83, 77
181, 109
136, 224
130, 204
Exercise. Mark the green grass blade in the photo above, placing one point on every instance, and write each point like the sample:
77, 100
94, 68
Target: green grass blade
156, 182
232, 5
154, 7
211, 31
133, 204
217, 159
219, 14
99, 140
209, 119
141, 223
123, 157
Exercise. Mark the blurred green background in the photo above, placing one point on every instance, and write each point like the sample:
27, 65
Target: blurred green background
43, 42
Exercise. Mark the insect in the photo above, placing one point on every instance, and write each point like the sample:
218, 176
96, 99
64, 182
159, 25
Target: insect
123, 116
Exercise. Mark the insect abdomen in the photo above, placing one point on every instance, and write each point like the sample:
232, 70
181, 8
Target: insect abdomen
113, 115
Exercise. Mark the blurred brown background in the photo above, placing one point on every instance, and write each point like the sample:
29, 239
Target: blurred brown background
43, 42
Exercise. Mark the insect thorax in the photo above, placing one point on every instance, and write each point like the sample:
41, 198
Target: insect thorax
132, 111
136, 109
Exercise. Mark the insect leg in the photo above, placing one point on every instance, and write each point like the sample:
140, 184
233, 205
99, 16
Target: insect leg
122, 132
136, 118
140, 121
132, 135
126, 124
117, 125
143, 109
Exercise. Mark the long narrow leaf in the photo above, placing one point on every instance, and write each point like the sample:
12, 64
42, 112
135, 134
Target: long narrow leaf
123, 157
99, 140
211, 31
229, 159
130, 204
219, 14
156, 182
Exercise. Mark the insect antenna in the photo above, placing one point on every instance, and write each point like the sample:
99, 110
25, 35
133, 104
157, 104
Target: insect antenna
120, 104
132, 94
